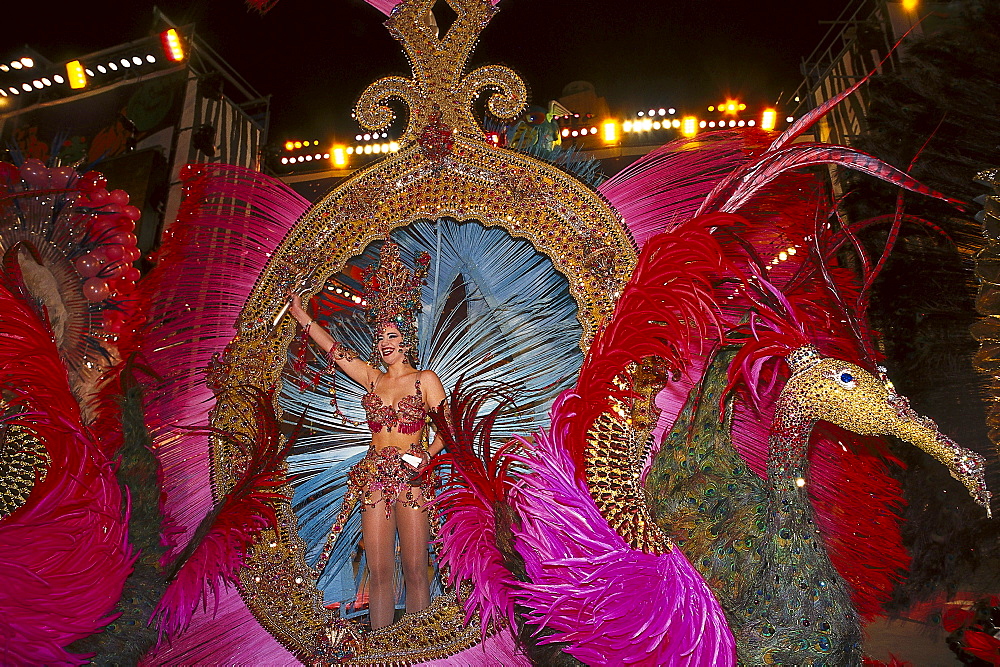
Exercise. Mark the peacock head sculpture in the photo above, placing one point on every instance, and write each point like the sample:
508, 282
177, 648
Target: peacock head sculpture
842, 393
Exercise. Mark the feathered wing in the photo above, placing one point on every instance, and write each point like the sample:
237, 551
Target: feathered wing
236, 217
218, 548
665, 188
610, 603
73, 518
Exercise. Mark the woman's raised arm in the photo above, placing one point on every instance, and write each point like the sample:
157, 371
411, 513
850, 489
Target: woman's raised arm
356, 369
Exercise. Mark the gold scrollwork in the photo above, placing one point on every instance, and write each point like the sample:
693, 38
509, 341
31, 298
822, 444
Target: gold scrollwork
438, 88
508, 92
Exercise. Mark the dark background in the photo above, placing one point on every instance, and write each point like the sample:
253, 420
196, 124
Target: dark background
315, 58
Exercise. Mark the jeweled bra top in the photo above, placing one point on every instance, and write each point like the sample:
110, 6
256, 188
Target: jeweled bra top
409, 417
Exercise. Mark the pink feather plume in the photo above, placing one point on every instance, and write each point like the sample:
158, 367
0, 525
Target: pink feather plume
64, 555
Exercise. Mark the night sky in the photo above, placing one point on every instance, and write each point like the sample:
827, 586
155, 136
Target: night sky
316, 56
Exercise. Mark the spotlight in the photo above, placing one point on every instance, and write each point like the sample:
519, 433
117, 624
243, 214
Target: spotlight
102, 69
27, 62
150, 58
689, 126
136, 60
75, 74
113, 67
126, 63
172, 46
339, 157
58, 78
768, 119
610, 131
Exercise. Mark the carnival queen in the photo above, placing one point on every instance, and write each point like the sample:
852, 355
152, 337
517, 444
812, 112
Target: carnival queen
392, 483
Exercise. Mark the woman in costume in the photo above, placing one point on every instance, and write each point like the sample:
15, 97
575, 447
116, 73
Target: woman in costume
391, 483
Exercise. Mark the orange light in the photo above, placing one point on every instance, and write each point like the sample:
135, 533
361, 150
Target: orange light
172, 46
743, 107
339, 156
910, 5
689, 126
297, 144
768, 119
76, 74
731, 106
609, 131
289, 145
711, 108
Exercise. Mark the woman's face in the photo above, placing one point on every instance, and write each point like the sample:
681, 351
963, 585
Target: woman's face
389, 344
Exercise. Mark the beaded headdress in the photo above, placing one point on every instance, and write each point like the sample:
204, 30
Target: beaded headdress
392, 292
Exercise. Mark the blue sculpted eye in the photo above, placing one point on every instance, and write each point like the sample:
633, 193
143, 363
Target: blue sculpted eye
845, 379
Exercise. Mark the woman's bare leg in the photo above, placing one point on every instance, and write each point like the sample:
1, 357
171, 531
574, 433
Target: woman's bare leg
380, 549
414, 533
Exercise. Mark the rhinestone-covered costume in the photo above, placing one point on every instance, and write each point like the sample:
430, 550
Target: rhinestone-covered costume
407, 418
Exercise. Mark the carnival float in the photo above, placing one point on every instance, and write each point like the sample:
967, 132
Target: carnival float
662, 434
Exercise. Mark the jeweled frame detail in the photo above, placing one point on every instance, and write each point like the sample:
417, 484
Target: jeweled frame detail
575, 227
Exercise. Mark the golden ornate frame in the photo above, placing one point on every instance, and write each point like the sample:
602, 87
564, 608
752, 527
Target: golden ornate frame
445, 169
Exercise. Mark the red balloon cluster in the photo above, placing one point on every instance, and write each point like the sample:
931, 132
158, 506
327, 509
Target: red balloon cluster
110, 221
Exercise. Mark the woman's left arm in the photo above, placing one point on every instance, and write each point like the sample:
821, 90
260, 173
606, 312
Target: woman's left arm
434, 397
